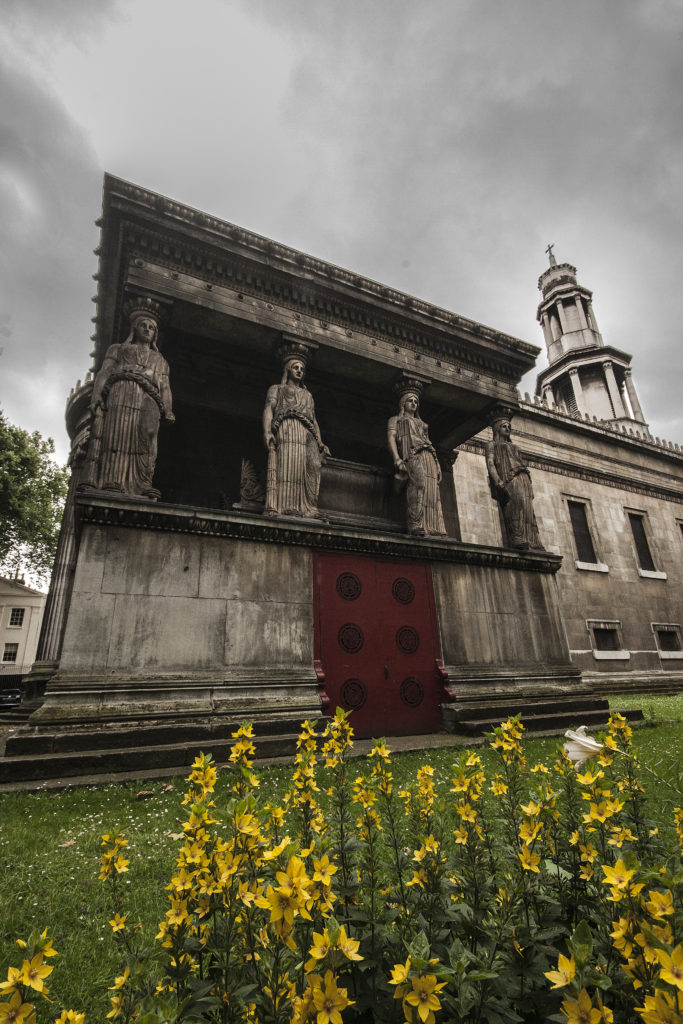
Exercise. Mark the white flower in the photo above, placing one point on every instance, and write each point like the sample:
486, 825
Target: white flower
580, 747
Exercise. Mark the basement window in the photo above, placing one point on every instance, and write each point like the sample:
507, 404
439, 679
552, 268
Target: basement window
668, 639
606, 640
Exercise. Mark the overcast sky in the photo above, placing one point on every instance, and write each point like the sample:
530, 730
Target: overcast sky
434, 145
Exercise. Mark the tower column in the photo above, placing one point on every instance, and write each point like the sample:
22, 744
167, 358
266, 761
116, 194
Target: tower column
617, 403
633, 397
560, 312
581, 312
578, 390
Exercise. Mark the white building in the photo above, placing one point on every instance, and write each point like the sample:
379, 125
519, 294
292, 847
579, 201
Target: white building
21, 613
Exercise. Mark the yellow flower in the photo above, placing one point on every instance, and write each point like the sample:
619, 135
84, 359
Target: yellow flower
330, 1000
120, 981
589, 777
498, 787
531, 809
347, 945
466, 811
319, 949
622, 936
323, 870
400, 972
581, 1011
528, 830
566, 969
529, 859
423, 995
588, 852
33, 973
118, 923
672, 966
659, 1009
660, 904
649, 951
16, 1011
70, 1017
619, 876
12, 980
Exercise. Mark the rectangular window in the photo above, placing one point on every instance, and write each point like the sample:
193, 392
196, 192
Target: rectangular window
668, 638
16, 617
645, 560
10, 653
585, 549
606, 640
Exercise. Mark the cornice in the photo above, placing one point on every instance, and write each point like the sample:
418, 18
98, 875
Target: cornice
95, 509
271, 265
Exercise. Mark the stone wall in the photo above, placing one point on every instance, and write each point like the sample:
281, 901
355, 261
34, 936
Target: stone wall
610, 474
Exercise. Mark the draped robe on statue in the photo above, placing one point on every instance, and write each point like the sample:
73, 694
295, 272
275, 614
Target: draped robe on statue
517, 501
296, 461
134, 390
422, 494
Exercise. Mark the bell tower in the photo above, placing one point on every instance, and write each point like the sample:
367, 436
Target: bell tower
584, 375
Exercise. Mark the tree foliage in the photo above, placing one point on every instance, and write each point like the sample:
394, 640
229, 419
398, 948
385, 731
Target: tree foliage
32, 492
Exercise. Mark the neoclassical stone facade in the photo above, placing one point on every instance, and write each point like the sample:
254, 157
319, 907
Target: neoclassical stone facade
307, 540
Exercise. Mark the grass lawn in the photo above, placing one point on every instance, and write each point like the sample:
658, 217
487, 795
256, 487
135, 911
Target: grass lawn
50, 846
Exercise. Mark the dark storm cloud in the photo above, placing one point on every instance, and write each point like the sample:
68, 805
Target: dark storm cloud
49, 195
50, 189
449, 142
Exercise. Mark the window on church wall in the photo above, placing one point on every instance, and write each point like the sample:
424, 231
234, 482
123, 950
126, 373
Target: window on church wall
642, 545
583, 533
607, 640
16, 616
668, 638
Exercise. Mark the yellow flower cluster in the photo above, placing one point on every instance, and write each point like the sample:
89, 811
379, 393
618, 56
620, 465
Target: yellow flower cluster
419, 992
23, 981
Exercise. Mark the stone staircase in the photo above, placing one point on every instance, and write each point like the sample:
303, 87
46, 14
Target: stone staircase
550, 716
34, 758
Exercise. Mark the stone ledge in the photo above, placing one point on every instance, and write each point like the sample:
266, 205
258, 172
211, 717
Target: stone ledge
95, 508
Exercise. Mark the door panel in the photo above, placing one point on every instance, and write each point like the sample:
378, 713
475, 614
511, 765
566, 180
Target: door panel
376, 640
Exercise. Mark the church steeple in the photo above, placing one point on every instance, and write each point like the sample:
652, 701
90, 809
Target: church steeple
584, 375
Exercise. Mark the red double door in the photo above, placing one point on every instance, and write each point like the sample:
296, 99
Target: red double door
377, 643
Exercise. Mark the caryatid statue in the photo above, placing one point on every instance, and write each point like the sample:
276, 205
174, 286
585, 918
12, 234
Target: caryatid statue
511, 484
131, 393
416, 464
291, 435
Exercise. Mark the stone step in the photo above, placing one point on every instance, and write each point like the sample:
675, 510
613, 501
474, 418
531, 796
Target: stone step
548, 721
94, 764
530, 706
216, 731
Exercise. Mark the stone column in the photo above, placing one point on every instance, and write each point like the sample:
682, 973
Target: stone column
581, 312
560, 313
578, 390
633, 397
613, 389
547, 330
548, 396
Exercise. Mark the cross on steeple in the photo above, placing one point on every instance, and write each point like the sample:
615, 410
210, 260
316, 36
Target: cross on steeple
549, 250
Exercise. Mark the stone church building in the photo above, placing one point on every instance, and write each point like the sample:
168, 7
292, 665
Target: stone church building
294, 488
